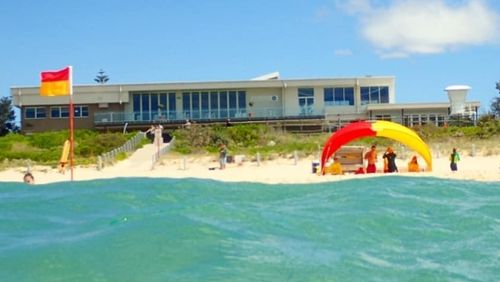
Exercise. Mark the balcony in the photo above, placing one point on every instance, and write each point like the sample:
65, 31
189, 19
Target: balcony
147, 117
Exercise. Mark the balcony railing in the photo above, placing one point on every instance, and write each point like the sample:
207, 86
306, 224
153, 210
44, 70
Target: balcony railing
201, 115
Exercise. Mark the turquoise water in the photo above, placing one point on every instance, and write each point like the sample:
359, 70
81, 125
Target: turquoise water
138, 229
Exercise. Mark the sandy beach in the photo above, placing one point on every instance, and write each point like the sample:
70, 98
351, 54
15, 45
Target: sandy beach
280, 170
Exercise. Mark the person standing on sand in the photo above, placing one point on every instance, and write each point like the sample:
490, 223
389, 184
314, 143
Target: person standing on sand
222, 155
371, 157
150, 133
390, 156
158, 133
454, 158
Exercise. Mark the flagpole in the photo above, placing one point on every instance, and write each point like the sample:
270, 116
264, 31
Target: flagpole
71, 122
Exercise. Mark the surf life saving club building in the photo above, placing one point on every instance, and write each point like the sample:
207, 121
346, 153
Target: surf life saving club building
324, 102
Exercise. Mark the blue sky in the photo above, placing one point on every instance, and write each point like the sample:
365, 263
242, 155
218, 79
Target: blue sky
426, 44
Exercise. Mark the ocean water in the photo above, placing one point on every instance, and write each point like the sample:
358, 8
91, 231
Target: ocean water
138, 229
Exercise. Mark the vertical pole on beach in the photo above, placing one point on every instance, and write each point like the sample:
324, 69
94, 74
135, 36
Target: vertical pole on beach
295, 157
258, 159
71, 122
473, 150
184, 163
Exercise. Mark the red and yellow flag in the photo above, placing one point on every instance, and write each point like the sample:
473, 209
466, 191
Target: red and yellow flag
56, 83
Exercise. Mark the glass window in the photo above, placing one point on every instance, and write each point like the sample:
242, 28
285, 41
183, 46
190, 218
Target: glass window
384, 94
136, 101
365, 95
242, 102
186, 104
171, 105
306, 92
374, 95
223, 104
328, 95
154, 102
85, 111
81, 111
65, 112
339, 96
145, 106
40, 112
195, 100
214, 105
349, 96
204, 104
232, 99
232, 103
30, 113
55, 112
163, 105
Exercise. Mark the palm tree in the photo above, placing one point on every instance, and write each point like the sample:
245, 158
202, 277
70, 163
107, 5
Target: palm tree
101, 77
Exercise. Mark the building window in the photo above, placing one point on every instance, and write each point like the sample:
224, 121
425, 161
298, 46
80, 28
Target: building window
59, 112
242, 104
214, 104
153, 106
81, 111
186, 104
339, 96
306, 101
374, 95
35, 113
204, 104
196, 104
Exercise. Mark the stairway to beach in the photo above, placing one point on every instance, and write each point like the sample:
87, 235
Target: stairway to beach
140, 160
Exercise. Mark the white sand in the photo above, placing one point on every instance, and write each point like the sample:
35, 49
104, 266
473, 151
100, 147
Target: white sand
479, 168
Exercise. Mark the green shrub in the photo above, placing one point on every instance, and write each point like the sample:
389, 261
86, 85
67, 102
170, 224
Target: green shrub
46, 147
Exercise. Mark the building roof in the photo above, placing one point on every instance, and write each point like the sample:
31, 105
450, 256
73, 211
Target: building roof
457, 87
114, 93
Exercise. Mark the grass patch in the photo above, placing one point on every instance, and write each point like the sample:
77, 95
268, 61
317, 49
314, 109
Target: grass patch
46, 147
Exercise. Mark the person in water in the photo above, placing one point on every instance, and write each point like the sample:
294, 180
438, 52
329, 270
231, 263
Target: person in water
454, 158
371, 157
413, 165
28, 178
390, 157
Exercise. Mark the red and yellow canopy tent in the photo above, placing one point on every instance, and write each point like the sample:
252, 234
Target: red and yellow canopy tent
380, 128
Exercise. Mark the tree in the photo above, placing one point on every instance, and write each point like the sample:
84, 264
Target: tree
101, 77
495, 103
7, 116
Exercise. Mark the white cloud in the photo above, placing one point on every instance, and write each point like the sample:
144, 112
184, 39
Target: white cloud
408, 27
343, 52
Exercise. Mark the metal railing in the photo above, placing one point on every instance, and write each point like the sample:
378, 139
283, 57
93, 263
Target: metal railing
196, 115
157, 155
129, 146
